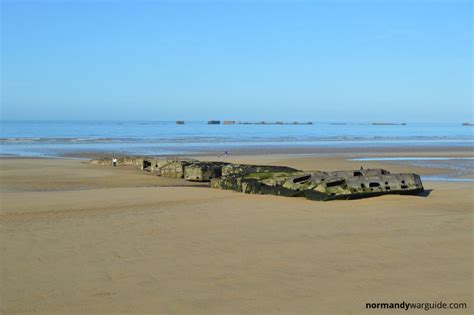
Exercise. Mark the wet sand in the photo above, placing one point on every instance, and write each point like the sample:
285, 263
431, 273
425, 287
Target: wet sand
79, 238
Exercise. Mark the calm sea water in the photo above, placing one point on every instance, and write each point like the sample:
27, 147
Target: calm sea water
56, 138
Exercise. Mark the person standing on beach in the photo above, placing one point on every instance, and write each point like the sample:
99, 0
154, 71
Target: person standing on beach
222, 154
114, 161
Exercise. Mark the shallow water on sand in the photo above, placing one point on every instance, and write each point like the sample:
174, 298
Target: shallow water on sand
460, 169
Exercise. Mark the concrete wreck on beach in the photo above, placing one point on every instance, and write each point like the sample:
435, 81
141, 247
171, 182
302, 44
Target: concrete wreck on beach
322, 185
279, 180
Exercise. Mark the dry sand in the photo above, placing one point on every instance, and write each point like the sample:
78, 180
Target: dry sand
79, 238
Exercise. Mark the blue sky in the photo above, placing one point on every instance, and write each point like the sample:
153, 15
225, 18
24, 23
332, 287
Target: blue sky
243, 60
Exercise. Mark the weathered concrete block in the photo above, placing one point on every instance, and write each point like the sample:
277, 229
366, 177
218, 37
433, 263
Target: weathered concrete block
203, 171
172, 168
121, 161
356, 187
322, 185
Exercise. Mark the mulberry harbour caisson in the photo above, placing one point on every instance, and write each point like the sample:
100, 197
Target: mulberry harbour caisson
280, 180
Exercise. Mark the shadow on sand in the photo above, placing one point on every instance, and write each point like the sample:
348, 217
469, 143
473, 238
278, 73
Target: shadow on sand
425, 193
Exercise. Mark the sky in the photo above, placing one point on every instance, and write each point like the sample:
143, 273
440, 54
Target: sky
397, 61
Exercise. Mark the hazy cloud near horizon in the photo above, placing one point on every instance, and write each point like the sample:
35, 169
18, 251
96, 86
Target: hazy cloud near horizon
241, 60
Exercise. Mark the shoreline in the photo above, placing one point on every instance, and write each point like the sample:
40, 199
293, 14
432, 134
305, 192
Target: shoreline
300, 151
190, 149
438, 163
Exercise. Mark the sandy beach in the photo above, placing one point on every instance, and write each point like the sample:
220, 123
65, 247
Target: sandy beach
363, 108
86, 239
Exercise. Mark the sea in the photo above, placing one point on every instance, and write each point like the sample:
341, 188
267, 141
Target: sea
62, 138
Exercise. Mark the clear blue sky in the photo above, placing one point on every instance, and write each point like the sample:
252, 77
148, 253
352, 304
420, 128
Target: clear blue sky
244, 60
